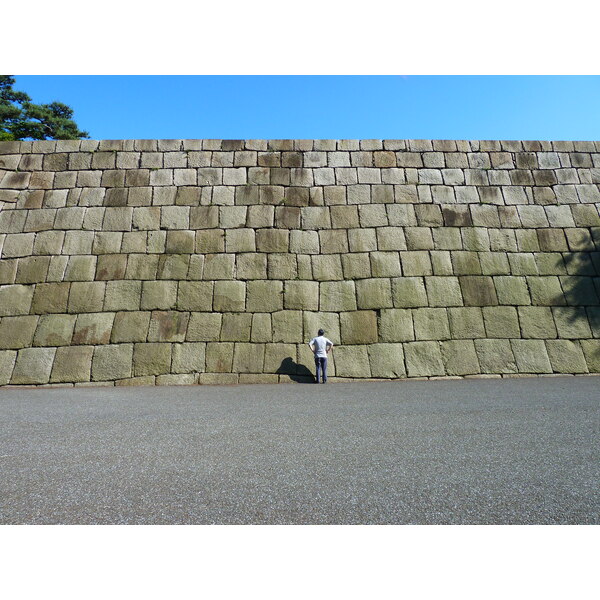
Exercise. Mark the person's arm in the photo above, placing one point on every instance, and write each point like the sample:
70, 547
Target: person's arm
311, 346
329, 347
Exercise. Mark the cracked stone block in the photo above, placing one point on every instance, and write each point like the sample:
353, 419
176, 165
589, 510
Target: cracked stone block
423, 359
72, 364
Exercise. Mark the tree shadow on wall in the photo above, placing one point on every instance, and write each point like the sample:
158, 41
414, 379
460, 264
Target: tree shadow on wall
296, 372
580, 300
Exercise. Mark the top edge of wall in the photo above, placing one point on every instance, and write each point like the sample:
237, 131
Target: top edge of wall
298, 145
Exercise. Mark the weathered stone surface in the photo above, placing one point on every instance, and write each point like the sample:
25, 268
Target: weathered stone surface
168, 326
248, 358
54, 330
387, 360
151, 359
158, 295
352, 361
219, 357
264, 296
466, 323
495, 356
204, 327
218, 266
591, 351
329, 322
236, 327
512, 290
501, 322
286, 327
337, 296
443, 291
280, 358
123, 295
395, 325
94, 328
189, 358
431, 324
130, 327
531, 356
17, 332
16, 299
112, 362
546, 291
72, 364
459, 357
358, 327
33, 366
327, 267
537, 322
409, 292
566, 356
478, 291
301, 295
373, 293
423, 359
572, 322
7, 363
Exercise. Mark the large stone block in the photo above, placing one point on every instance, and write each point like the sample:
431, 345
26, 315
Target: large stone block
304, 242
189, 358
280, 358
390, 238
72, 364
495, 356
352, 361
261, 327
374, 293
219, 357
16, 299
414, 263
287, 327
248, 358
130, 327
252, 266
33, 269
7, 363
158, 295
362, 240
443, 291
151, 359
423, 359
195, 295
282, 266
408, 292
537, 322
123, 295
112, 362
359, 327
531, 356
204, 327
395, 325
86, 296
512, 291
54, 330
327, 267
501, 322
18, 244
83, 268
337, 296
566, 356
240, 240
579, 290
33, 366
229, 296
219, 266
168, 326
478, 291
329, 322
591, 351
301, 295
236, 327
356, 266
264, 296
17, 332
431, 324
546, 291
387, 360
459, 357
572, 322
466, 323
94, 328
272, 240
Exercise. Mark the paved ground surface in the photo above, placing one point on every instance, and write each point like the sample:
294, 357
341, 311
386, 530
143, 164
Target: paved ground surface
473, 451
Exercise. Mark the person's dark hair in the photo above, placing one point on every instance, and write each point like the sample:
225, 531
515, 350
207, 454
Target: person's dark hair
321, 332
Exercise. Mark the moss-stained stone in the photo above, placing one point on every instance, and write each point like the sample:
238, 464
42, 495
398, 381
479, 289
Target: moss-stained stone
189, 358
359, 327
252, 265
195, 295
142, 266
151, 359
86, 296
395, 325
408, 292
478, 291
94, 328
431, 324
173, 266
591, 351
443, 291
352, 361
33, 366
17, 332
466, 322
459, 357
387, 360
204, 327
112, 362
572, 322
531, 356
7, 363
236, 327
537, 322
54, 330
495, 356
423, 359
123, 295
158, 295
566, 356
330, 322
337, 296
272, 240
261, 327
264, 296
16, 300
501, 322
248, 358
72, 364
218, 266
374, 293
168, 326
229, 296
287, 326
219, 357
130, 326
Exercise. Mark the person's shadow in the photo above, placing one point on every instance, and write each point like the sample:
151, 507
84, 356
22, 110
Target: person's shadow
296, 372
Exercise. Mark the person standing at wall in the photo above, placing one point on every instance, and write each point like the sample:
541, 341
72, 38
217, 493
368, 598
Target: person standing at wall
321, 347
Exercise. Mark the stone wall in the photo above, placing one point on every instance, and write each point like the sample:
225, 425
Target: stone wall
209, 261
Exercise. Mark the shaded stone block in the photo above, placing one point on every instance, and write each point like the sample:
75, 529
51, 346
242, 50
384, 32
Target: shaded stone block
7, 363
531, 356
579, 290
204, 327
130, 327
72, 364
501, 322
17, 332
189, 358
546, 291
151, 359
374, 293
352, 361
536, 322
219, 357
287, 327
168, 326
466, 263
160, 295
358, 327
33, 366
431, 324
495, 356
459, 357
591, 351
566, 356
423, 359
94, 328
395, 325
443, 291
387, 360
478, 291
572, 322
301, 295
280, 358
408, 292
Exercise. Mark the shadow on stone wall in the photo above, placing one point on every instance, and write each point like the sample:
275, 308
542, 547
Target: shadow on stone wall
296, 371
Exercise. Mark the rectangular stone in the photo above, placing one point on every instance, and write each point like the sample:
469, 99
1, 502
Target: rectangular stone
151, 359
33, 366
423, 359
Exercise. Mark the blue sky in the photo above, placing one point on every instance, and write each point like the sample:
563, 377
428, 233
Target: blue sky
270, 106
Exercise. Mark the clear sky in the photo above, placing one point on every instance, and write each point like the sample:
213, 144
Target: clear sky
370, 106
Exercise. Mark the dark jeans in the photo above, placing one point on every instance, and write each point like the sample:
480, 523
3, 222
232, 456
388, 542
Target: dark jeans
321, 365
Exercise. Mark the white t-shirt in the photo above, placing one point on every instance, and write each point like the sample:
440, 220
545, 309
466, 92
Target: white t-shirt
320, 343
